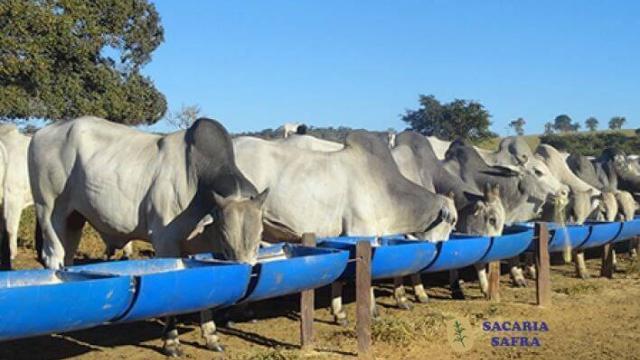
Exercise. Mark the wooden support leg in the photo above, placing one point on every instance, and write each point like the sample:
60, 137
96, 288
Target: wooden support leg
543, 271
307, 305
494, 281
363, 299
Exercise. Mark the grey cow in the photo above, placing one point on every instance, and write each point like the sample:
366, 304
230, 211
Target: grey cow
479, 213
182, 192
357, 190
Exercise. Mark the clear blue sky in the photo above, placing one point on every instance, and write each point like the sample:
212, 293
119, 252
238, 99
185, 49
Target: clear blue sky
257, 64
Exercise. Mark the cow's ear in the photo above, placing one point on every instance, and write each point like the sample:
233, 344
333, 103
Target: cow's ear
260, 198
200, 226
471, 197
478, 207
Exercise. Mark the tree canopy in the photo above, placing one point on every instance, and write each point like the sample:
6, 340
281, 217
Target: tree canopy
61, 59
616, 122
563, 123
458, 119
591, 123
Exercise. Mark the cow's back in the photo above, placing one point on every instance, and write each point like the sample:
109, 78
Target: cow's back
110, 173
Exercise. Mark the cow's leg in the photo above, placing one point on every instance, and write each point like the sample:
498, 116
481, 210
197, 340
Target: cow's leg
5, 251
208, 327
164, 247
127, 251
12, 210
456, 285
566, 254
171, 345
374, 308
530, 266
418, 289
633, 247
339, 315
614, 259
71, 233
481, 269
581, 267
400, 295
517, 275
53, 252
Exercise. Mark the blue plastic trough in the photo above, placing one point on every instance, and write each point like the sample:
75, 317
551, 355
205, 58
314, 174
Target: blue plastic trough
459, 251
570, 235
176, 286
390, 257
284, 269
37, 302
514, 241
629, 230
601, 233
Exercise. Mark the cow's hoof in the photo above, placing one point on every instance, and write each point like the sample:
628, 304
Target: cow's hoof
172, 351
457, 294
422, 299
215, 346
375, 313
584, 276
341, 321
520, 282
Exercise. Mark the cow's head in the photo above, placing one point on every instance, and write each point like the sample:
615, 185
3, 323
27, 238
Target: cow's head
440, 229
235, 227
540, 171
485, 216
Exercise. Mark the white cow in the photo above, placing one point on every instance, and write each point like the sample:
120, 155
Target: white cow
182, 192
16, 192
293, 128
354, 191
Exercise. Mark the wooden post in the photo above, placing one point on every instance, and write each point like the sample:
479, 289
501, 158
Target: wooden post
543, 268
606, 269
494, 281
363, 299
307, 304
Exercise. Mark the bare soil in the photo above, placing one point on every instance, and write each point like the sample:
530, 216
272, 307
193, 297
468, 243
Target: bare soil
596, 318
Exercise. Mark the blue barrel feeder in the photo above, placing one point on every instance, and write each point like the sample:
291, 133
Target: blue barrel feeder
390, 256
172, 286
37, 302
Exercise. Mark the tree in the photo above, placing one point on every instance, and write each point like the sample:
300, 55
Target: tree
184, 118
548, 128
57, 60
616, 122
591, 123
563, 123
460, 118
518, 126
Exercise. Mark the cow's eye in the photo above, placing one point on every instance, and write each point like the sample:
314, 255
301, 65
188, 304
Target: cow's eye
538, 172
492, 221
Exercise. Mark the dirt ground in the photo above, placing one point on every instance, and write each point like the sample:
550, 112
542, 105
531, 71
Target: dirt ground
590, 319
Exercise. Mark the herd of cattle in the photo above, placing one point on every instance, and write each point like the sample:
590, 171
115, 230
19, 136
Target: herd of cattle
200, 190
